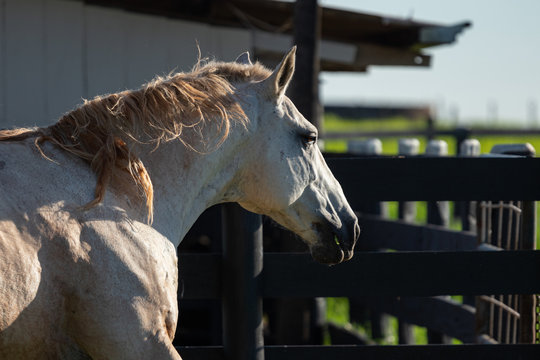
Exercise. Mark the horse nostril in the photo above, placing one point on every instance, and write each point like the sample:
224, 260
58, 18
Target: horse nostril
356, 231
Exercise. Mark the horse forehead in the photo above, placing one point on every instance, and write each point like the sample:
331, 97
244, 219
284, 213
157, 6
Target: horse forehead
293, 114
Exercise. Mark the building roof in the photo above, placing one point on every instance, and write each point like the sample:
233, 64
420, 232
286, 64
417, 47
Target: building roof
350, 41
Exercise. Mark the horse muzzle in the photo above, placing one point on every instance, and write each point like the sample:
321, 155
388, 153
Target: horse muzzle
336, 244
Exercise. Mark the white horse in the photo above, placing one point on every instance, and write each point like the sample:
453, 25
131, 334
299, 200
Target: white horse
93, 207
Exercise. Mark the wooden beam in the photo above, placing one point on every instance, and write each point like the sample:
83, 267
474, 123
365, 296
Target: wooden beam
407, 352
369, 54
404, 274
437, 178
242, 261
307, 33
378, 233
373, 274
395, 352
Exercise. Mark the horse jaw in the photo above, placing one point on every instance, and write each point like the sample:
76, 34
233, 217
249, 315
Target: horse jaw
324, 220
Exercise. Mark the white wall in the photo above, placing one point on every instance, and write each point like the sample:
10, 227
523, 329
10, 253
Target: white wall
53, 53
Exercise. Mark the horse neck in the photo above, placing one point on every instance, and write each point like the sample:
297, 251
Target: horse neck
186, 183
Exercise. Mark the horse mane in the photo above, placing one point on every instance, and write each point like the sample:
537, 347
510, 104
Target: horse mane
103, 131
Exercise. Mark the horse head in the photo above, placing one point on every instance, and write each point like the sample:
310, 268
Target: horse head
287, 177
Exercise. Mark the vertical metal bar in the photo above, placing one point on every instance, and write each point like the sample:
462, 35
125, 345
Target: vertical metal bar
515, 328
511, 213
499, 338
491, 319
507, 339
500, 225
489, 231
483, 229
242, 265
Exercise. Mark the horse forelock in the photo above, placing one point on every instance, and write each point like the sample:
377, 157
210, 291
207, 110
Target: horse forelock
103, 130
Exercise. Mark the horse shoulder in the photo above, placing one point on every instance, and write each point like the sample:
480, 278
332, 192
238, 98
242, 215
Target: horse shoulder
19, 272
129, 281
34, 277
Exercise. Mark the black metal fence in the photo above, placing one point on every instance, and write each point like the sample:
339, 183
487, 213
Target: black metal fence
242, 275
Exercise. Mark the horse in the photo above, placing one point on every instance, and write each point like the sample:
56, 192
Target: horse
94, 206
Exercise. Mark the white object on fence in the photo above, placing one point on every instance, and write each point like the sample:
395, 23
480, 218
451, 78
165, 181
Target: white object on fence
408, 146
525, 149
470, 147
365, 147
437, 148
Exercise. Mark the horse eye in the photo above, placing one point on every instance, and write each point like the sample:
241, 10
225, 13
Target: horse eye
310, 139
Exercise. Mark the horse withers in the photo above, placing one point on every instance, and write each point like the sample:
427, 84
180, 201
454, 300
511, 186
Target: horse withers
94, 206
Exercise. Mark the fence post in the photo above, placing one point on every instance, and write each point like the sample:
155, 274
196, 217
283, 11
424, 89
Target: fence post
367, 147
379, 321
461, 135
407, 209
242, 265
438, 213
467, 209
307, 33
407, 213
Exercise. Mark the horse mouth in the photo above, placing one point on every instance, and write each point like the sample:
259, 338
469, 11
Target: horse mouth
347, 251
333, 249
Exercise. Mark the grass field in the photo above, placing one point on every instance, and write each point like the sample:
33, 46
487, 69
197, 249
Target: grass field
338, 308
335, 124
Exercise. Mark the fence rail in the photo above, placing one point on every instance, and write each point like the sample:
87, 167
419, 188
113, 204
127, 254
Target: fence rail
408, 352
404, 273
437, 178
374, 273
399, 235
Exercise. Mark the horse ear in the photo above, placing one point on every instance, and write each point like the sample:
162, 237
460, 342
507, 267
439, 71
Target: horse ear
244, 59
278, 82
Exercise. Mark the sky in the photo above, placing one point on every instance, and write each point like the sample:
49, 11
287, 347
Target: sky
491, 74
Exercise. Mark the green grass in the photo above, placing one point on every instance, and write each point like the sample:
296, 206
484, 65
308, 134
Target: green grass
338, 308
334, 124
338, 313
